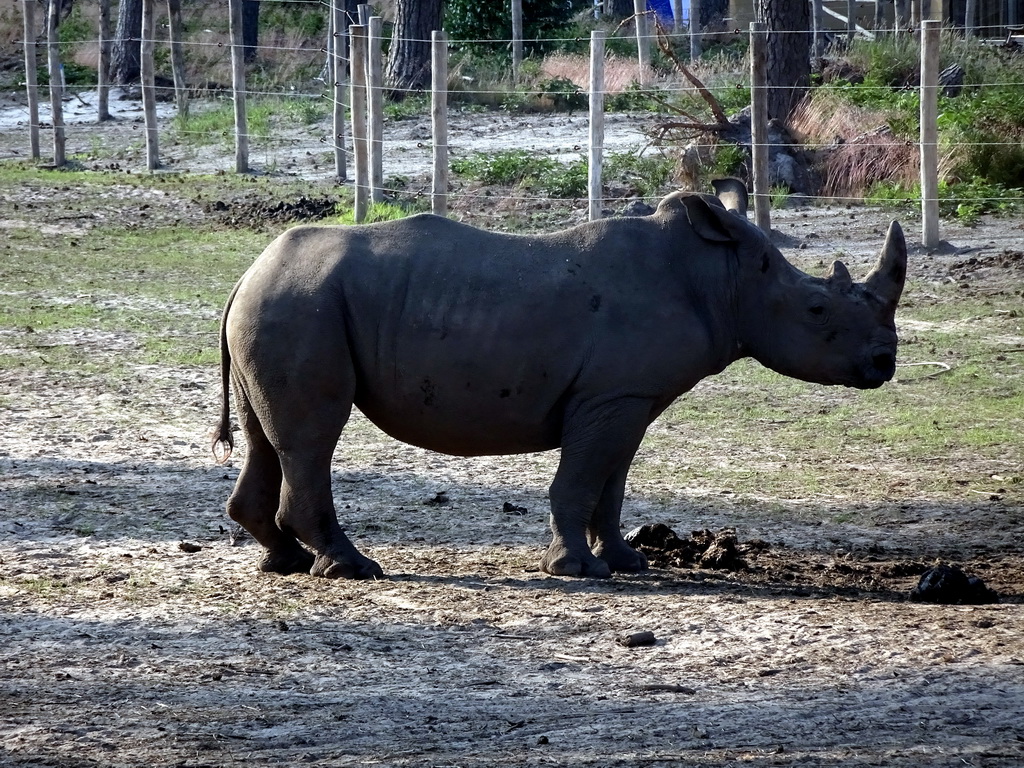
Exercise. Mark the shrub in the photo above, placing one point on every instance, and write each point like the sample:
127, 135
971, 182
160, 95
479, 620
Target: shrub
473, 24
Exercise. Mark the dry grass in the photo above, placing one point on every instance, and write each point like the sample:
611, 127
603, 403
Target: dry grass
619, 73
862, 150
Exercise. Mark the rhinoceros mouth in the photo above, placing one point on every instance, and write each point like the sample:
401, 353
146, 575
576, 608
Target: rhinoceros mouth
880, 368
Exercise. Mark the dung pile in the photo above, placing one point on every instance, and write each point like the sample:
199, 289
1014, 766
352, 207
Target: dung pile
703, 549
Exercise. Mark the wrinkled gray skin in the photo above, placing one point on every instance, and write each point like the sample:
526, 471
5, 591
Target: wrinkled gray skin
470, 343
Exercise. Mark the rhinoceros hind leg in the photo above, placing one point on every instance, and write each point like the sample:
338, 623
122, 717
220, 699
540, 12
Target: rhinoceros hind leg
559, 561
286, 563
307, 510
253, 503
605, 527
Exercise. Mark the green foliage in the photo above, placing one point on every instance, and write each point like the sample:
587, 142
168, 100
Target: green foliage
304, 19
517, 167
413, 105
210, 126
74, 30
306, 110
729, 160
473, 24
889, 60
634, 99
964, 200
647, 175
779, 196
511, 167
981, 128
563, 93
377, 212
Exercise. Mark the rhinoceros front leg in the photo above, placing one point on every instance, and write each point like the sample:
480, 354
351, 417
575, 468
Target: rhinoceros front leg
605, 526
598, 442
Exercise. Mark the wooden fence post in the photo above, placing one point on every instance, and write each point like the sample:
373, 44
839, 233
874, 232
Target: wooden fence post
338, 49
147, 74
376, 107
357, 69
817, 23
238, 87
643, 40
595, 153
103, 64
759, 124
175, 33
56, 84
930, 41
31, 78
677, 15
517, 38
851, 20
439, 121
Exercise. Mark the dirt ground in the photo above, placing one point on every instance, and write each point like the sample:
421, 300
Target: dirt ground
135, 629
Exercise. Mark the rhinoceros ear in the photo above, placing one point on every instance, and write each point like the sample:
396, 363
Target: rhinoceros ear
887, 277
733, 194
711, 220
839, 276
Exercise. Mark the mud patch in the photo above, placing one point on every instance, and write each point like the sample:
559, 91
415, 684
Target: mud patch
1006, 259
260, 214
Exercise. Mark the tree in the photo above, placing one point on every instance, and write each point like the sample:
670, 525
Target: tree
126, 49
408, 66
788, 53
250, 29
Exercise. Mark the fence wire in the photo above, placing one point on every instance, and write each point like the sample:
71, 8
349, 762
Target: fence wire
316, 133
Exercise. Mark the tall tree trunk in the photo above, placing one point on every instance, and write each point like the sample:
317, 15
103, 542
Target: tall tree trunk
409, 59
618, 9
126, 50
250, 28
789, 53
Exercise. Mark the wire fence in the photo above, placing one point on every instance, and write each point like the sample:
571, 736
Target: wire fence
289, 120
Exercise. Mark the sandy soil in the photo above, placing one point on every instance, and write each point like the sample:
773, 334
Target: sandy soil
135, 630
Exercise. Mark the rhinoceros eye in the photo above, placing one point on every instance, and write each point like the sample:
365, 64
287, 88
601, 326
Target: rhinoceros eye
817, 312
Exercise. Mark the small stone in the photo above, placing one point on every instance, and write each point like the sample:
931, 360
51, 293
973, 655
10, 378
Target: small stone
637, 639
187, 546
948, 585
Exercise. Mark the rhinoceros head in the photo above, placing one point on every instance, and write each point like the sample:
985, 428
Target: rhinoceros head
828, 330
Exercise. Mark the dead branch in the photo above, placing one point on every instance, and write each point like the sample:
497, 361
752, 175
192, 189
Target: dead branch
708, 96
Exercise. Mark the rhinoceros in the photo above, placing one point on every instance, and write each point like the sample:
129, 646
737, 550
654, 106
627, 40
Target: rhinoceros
470, 342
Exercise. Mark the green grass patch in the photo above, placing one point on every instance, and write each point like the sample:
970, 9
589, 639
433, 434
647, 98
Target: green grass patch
519, 168
756, 434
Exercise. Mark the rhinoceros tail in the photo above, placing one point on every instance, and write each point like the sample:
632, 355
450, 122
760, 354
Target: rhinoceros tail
223, 442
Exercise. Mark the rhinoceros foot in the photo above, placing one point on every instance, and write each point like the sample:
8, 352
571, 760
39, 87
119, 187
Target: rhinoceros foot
559, 561
287, 563
621, 557
353, 566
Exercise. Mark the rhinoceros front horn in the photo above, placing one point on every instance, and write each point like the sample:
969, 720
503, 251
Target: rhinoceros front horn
886, 279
